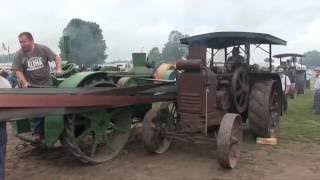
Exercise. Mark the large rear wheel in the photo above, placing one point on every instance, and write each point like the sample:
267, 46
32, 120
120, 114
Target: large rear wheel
264, 108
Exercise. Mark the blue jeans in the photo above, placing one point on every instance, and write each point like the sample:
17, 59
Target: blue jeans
3, 144
37, 125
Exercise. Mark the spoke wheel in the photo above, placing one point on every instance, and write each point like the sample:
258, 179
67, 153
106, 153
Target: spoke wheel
240, 89
155, 123
229, 140
98, 136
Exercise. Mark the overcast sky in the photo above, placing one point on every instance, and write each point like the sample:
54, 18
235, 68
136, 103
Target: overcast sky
135, 26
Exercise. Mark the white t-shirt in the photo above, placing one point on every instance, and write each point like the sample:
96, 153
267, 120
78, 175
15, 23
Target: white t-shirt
317, 84
285, 82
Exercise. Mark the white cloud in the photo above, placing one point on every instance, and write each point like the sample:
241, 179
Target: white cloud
130, 25
308, 39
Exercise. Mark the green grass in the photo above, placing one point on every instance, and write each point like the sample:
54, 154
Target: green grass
299, 123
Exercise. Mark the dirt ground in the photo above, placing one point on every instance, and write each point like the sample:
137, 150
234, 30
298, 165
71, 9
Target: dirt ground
287, 160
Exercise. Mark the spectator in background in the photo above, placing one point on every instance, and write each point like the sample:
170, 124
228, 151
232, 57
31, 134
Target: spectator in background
12, 78
4, 73
308, 78
317, 92
285, 82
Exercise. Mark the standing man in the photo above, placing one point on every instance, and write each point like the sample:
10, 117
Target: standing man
317, 92
308, 78
285, 82
31, 65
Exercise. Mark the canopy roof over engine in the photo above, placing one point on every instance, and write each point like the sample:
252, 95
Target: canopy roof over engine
219, 40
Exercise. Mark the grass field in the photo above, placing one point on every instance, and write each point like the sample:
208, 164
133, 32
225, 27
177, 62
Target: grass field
299, 123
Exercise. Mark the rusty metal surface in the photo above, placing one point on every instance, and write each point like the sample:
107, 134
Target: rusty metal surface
197, 52
190, 64
77, 97
12, 114
90, 90
192, 90
18, 103
190, 102
196, 97
223, 100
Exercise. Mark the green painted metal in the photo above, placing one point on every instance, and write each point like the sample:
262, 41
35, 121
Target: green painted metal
142, 70
110, 68
77, 79
170, 75
54, 125
68, 70
139, 59
20, 126
100, 123
139, 65
98, 136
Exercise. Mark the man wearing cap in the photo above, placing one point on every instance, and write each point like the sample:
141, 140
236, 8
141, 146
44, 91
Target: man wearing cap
285, 82
317, 92
235, 60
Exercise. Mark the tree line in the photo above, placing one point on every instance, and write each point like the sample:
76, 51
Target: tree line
172, 50
88, 45
312, 58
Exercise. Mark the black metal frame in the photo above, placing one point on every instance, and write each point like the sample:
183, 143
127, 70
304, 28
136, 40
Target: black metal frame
246, 51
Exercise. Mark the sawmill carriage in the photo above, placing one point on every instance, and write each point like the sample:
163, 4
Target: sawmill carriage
92, 133
215, 98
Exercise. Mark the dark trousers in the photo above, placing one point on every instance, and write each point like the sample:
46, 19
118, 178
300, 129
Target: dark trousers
3, 145
284, 102
316, 104
37, 125
308, 84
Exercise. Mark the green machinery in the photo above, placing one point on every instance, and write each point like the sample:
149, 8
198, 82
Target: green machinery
82, 133
92, 137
